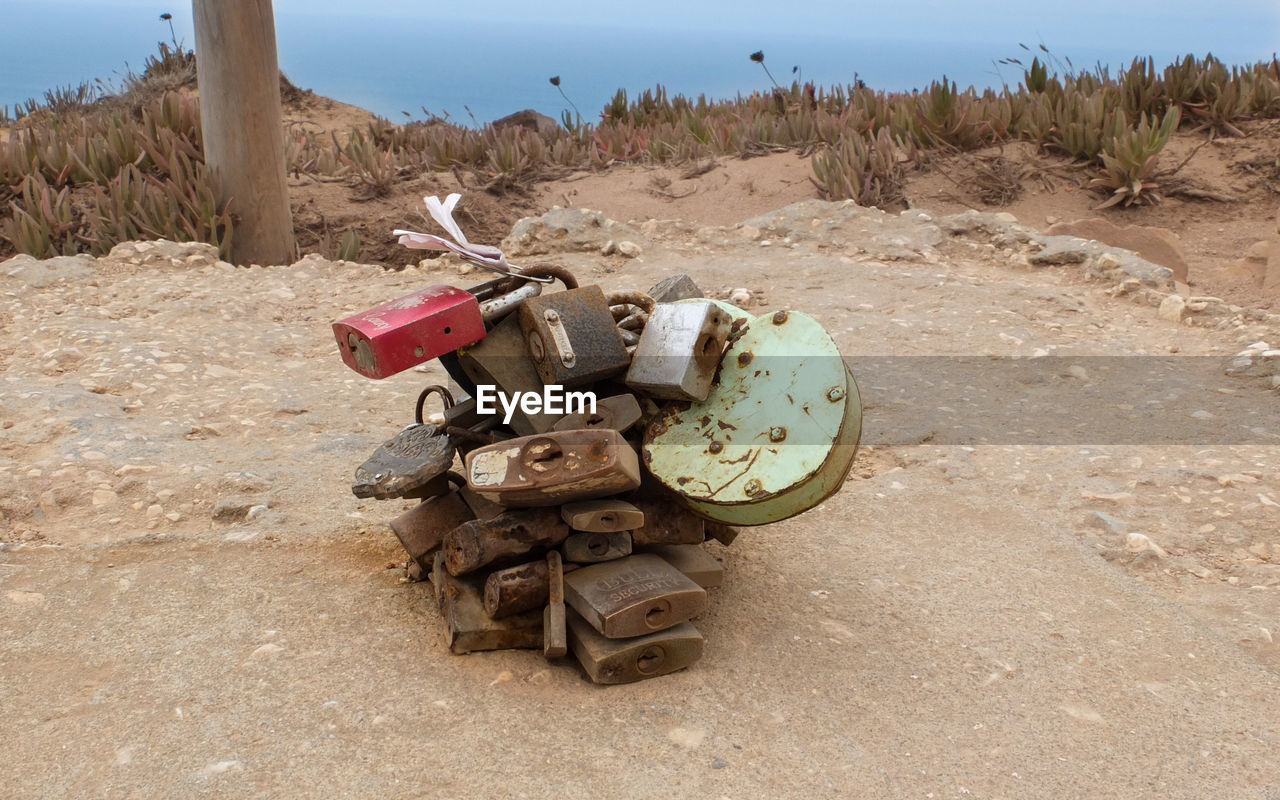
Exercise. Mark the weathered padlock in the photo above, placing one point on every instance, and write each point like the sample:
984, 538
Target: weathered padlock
618, 412
555, 635
693, 560
724, 534
500, 363
422, 528
594, 547
679, 351
572, 338
515, 589
666, 520
467, 628
554, 468
633, 596
611, 661
410, 464
409, 331
504, 538
495, 304
603, 516
776, 435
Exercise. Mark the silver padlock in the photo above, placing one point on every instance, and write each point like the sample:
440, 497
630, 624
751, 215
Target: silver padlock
679, 351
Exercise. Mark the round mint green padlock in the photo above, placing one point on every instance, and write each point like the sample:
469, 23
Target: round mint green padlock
775, 437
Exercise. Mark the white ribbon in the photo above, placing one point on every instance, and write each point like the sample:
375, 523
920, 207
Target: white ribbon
483, 255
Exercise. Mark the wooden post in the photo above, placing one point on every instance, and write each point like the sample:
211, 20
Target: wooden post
242, 123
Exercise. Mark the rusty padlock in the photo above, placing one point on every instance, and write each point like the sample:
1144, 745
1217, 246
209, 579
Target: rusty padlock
411, 464
679, 351
666, 519
611, 661
571, 337
500, 363
504, 538
633, 596
554, 468
409, 331
515, 589
467, 628
422, 528
618, 412
596, 546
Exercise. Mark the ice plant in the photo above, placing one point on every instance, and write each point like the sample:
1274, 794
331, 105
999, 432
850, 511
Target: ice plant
482, 255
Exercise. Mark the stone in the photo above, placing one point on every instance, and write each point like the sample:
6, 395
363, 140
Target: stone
1253, 266
1056, 250
565, 230
236, 508
1140, 542
529, 120
629, 249
1172, 308
1101, 519
1157, 245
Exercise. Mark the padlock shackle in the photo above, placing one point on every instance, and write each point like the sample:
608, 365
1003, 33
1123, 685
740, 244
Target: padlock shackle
538, 271
445, 395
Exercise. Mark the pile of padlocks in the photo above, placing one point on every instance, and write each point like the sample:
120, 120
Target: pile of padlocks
582, 529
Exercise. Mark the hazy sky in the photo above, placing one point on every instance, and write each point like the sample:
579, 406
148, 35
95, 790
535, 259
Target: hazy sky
1139, 24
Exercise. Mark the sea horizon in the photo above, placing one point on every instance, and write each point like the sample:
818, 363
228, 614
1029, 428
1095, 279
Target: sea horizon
474, 73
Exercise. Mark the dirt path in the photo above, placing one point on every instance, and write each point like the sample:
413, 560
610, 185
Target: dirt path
192, 604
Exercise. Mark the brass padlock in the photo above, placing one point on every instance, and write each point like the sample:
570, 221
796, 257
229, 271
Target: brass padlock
679, 351
602, 515
611, 661
422, 528
618, 412
554, 468
501, 362
555, 636
467, 628
572, 338
411, 464
633, 596
504, 538
693, 560
594, 547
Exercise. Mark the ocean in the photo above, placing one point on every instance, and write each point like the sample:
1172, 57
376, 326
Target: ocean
476, 72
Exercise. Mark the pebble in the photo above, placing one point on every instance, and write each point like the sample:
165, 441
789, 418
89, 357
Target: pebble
1172, 308
1138, 542
629, 249
1101, 519
103, 497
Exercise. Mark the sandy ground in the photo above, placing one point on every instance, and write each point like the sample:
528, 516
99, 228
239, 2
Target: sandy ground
962, 620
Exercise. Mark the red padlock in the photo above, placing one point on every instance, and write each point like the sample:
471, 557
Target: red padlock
409, 331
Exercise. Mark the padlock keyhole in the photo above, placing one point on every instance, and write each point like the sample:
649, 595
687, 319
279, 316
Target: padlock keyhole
543, 455
707, 346
598, 545
656, 616
595, 420
650, 660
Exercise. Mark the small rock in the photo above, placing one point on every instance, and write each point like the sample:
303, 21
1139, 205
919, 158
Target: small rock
155, 510
610, 247
104, 497
719, 763
236, 508
1172, 308
740, 297
1138, 542
629, 249
1100, 519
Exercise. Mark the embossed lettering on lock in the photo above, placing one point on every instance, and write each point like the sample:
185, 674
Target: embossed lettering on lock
409, 331
679, 351
554, 468
633, 596
611, 661
571, 337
